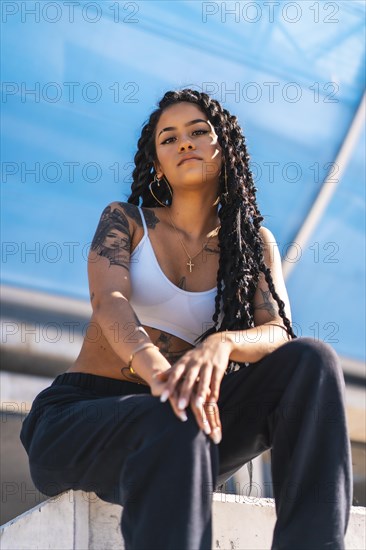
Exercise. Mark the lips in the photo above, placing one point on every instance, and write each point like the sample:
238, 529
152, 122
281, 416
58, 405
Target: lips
188, 157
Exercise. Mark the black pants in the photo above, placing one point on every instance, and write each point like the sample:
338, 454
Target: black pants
114, 438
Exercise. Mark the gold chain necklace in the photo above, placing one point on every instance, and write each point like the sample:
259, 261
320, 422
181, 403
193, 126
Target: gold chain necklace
189, 264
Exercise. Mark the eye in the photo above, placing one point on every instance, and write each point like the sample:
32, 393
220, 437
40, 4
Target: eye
194, 132
166, 140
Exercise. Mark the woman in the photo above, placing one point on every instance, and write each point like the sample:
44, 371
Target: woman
192, 308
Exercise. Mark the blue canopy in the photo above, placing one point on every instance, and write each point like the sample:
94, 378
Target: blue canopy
80, 80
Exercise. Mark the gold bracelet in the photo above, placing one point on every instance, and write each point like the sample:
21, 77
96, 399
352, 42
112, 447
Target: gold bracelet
139, 348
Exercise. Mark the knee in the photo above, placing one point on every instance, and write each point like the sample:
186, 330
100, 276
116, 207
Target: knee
318, 357
317, 348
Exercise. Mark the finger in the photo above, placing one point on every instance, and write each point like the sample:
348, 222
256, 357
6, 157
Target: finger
213, 417
216, 379
174, 377
209, 407
182, 415
161, 375
200, 416
214, 412
160, 378
216, 434
203, 388
186, 387
175, 374
158, 386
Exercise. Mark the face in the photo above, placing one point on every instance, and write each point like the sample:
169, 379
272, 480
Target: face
184, 131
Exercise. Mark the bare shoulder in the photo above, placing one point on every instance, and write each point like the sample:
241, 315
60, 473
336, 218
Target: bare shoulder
132, 213
265, 306
267, 235
270, 246
129, 211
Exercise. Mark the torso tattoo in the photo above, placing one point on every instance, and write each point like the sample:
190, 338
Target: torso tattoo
165, 342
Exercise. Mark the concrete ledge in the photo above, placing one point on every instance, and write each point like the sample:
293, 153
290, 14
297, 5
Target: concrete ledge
82, 521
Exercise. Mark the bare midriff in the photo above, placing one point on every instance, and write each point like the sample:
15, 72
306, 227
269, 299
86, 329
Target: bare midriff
97, 356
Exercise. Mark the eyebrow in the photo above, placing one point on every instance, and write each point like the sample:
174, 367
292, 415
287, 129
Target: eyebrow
169, 128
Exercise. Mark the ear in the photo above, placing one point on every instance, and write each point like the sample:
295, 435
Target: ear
158, 169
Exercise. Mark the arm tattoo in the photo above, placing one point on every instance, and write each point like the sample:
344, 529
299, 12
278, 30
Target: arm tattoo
112, 238
267, 305
131, 211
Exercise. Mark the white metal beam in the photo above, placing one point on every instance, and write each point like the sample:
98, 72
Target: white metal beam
327, 189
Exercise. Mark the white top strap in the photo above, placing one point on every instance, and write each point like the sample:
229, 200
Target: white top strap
143, 219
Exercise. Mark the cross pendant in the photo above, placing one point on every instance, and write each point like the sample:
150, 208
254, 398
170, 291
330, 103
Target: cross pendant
190, 265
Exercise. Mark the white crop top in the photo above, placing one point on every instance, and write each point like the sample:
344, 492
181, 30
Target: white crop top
159, 303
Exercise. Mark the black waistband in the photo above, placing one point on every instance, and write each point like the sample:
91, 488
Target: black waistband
100, 384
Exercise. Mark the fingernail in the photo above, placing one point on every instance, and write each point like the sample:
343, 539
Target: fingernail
164, 396
216, 436
207, 429
182, 403
199, 401
183, 416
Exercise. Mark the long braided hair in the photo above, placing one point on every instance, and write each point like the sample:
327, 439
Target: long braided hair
241, 247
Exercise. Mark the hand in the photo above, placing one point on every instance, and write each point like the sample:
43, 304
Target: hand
195, 379
157, 382
150, 365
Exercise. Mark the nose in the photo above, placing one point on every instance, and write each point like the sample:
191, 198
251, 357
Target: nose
186, 144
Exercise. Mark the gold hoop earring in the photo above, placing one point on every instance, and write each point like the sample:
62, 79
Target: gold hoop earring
157, 181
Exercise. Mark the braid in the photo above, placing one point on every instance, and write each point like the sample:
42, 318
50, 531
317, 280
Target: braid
143, 164
281, 305
241, 246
